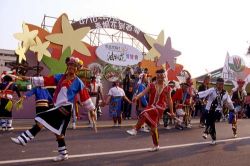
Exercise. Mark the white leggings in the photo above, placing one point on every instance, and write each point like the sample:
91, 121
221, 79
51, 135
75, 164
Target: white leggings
6, 122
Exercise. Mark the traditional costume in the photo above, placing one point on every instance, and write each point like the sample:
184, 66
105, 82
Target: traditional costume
182, 100
57, 118
238, 98
42, 98
216, 99
115, 105
159, 98
166, 118
7, 89
95, 91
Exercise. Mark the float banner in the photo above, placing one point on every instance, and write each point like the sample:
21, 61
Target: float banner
119, 54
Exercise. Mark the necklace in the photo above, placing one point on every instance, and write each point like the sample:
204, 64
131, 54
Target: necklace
159, 89
219, 97
240, 95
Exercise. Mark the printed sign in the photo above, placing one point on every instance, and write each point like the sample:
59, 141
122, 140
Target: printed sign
235, 68
119, 54
110, 22
236, 63
112, 73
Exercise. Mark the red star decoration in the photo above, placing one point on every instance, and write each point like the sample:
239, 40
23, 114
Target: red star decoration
172, 74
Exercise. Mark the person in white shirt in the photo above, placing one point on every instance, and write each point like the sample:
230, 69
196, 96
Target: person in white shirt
115, 97
217, 97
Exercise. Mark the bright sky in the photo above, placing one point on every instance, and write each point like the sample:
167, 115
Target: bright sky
203, 30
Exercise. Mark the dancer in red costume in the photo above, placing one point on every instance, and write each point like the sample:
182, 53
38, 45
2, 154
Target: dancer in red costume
159, 100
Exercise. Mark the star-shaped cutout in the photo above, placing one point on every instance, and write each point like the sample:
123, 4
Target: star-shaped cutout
153, 53
70, 37
168, 54
27, 37
57, 66
20, 51
173, 74
41, 49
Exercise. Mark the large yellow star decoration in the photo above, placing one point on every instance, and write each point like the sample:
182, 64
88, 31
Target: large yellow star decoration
41, 49
20, 51
153, 54
26, 37
70, 37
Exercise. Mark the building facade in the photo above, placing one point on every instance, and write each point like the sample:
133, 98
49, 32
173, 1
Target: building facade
6, 56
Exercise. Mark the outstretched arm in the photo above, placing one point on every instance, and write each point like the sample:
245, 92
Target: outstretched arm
108, 100
126, 98
145, 91
205, 93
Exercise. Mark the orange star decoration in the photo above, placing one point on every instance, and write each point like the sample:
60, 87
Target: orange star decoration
41, 49
70, 37
27, 37
153, 53
20, 51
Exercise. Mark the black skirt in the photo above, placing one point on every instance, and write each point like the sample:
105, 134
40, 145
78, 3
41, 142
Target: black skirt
55, 119
41, 109
4, 113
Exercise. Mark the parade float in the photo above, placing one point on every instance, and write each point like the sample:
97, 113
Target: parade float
106, 45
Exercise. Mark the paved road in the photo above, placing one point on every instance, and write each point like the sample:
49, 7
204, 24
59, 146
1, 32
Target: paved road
112, 146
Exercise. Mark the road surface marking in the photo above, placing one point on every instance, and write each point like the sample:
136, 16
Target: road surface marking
120, 152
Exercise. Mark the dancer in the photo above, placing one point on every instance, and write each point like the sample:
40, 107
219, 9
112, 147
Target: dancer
217, 97
159, 100
7, 88
182, 99
57, 118
95, 91
166, 118
201, 104
115, 97
238, 98
42, 97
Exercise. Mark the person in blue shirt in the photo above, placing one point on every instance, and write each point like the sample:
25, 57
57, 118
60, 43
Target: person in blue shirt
42, 97
142, 103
